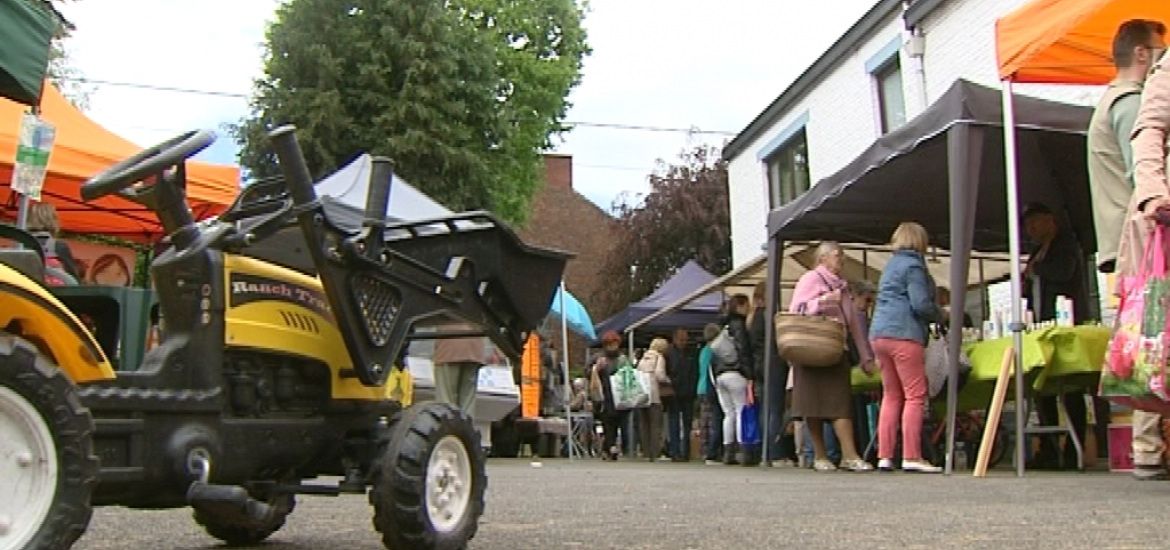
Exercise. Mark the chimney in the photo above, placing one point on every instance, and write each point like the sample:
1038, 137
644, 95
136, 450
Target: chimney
558, 171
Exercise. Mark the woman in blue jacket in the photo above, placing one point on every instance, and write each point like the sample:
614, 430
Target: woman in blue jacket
905, 308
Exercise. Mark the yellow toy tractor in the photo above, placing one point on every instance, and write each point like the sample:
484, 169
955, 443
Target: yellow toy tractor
271, 369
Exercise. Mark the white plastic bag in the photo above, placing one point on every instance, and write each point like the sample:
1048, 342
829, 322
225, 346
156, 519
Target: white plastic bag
937, 365
631, 388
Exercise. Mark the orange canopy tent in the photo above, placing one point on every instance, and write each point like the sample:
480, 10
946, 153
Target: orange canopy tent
1067, 41
82, 149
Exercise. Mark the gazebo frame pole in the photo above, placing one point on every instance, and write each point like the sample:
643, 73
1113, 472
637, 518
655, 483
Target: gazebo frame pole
572, 440
982, 291
1016, 325
771, 303
629, 427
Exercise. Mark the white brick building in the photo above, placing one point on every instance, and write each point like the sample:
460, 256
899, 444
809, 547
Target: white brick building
869, 81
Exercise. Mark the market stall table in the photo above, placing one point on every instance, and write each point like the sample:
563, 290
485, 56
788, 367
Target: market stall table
1055, 358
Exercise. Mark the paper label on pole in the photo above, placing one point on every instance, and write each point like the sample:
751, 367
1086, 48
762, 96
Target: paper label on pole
32, 156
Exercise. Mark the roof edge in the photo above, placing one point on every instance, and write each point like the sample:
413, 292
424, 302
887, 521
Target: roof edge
919, 10
823, 64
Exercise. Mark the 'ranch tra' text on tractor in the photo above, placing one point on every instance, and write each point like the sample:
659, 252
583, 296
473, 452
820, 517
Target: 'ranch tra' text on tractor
271, 370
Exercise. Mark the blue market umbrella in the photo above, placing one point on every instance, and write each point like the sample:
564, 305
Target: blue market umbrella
575, 315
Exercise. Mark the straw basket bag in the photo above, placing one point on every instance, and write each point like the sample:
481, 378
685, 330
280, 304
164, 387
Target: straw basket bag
810, 340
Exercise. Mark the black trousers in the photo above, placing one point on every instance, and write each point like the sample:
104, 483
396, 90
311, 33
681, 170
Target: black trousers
680, 416
714, 447
611, 422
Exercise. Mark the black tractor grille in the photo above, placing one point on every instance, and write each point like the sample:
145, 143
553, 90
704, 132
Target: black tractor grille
379, 302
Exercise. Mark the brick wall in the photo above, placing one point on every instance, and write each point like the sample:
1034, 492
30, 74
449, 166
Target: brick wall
566, 220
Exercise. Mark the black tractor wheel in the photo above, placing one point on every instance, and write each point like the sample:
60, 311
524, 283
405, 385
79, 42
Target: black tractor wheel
236, 534
429, 490
47, 466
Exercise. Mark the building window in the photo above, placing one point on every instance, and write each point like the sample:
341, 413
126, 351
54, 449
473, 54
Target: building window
891, 103
788, 171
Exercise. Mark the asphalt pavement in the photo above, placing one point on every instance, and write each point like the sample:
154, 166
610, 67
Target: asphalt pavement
634, 505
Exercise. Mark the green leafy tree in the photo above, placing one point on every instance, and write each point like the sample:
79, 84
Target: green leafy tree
432, 85
539, 47
685, 216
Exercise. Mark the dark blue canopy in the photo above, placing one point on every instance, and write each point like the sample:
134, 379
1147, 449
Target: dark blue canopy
696, 314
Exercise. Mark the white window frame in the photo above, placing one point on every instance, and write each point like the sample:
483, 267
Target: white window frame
794, 130
877, 64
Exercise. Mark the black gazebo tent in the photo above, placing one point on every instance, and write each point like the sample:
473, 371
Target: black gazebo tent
951, 154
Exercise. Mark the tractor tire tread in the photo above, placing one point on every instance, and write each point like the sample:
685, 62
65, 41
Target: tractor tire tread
398, 495
24, 369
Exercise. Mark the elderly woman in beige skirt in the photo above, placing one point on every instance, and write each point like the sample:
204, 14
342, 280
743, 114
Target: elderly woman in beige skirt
825, 393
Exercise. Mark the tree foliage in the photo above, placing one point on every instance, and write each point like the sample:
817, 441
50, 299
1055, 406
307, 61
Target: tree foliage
685, 216
61, 70
462, 94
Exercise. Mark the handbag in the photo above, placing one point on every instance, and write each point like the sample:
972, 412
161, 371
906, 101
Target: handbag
810, 340
1135, 363
596, 391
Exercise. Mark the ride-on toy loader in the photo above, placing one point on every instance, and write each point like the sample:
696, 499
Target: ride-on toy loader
267, 375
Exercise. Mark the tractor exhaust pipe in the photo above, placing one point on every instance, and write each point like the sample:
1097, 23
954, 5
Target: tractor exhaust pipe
230, 503
378, 195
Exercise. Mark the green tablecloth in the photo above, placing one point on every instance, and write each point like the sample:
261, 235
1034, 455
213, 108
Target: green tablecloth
1054, 358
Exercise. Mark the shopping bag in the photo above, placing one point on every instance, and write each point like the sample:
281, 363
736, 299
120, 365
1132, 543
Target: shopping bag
1135, 363
596, 391
749, 425
938, 364
629, 390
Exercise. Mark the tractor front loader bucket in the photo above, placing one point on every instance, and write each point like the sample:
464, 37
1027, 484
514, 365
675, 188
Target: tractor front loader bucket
386, 279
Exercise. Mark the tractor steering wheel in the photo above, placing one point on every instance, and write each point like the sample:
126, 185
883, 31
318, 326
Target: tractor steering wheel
150, 161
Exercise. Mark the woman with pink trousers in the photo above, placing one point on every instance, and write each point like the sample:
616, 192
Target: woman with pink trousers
905, 307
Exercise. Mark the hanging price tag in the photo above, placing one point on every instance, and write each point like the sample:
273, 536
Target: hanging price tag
32, 156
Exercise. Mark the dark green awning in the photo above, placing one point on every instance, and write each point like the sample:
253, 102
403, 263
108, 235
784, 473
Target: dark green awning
27, 28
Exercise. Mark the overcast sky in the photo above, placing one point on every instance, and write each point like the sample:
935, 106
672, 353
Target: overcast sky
705, 64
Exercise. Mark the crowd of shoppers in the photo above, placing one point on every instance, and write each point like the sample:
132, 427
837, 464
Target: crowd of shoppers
887, 328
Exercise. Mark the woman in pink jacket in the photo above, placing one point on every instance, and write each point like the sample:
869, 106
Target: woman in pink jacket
825, 393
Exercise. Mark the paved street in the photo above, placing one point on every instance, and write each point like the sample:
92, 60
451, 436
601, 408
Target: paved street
671, 506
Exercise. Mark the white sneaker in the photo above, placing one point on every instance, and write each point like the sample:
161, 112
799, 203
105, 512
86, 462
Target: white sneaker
886, 465
857, 465
783, 464
710, 462
920, 466
824, 466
